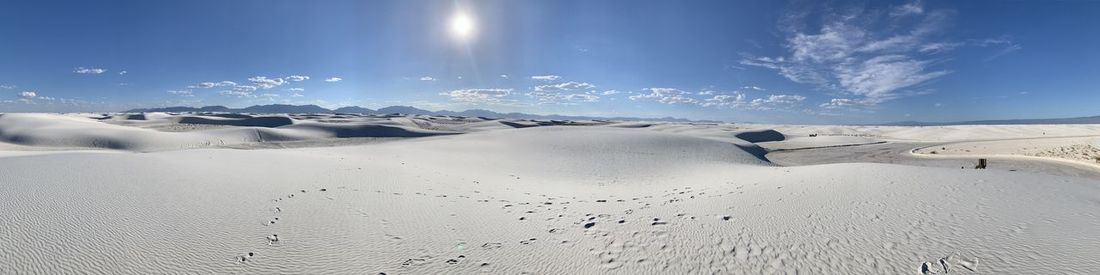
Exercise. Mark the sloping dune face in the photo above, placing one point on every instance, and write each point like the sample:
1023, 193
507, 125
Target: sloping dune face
266, 121
50, 130
574, 153
543, 200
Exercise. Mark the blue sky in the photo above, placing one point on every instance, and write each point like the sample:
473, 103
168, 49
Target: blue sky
759, 61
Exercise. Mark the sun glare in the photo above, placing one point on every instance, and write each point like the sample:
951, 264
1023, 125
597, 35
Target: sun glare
462, 26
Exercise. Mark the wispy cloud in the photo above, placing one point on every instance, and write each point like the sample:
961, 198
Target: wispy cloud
27, 94
427, 78
333, 79
208, 85
772, 102
297, 78
122, 73
913, 8
854, 57
545, 77
266, 83
89, 70
7, 86
485, 96
567, 86
666, 96
240, 94
503, 76
562, 98
184, 93
839, 103
740, 100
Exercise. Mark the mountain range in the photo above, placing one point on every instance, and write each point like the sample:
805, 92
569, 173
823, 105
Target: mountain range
285, 108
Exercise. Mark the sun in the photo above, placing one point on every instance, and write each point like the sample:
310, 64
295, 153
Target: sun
462, 26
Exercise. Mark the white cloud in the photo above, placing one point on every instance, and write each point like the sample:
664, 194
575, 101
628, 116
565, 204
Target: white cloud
28, 94
739, 100
548, 97
296, 89
666, 96
503, 76
872, 62
879, 78
296, 95
610, 92
207, 85
184, 93
478, 95
545, 77
244, 88
706, 92
236, 93
89, 70
333, 79
122, 73
913, 8
776, 101
427, 78
730, 101
297, 78
844, 103
7, 86
567, 86
266, 83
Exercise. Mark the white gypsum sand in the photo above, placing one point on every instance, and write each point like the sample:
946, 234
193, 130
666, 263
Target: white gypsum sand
120, 195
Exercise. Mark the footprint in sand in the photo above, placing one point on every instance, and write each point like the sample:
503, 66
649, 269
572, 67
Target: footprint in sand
414, 262
456, 260
245, 257
273, 239
491, 245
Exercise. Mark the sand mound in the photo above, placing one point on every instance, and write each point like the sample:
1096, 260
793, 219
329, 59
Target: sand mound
263, 121
78, 132
568, 152
519, 124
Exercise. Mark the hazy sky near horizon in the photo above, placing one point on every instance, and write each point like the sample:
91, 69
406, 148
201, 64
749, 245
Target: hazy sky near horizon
760, 61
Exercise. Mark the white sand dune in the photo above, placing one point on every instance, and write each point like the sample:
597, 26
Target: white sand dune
666, 198
76, 132
1077, 150
938, 133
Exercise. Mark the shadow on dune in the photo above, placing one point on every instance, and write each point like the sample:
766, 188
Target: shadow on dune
368, 130
758, 136
761, 136
267, 121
